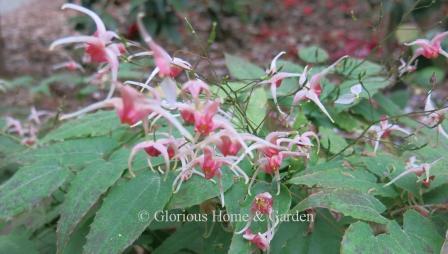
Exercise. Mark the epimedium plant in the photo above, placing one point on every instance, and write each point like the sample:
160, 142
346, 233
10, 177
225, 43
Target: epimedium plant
292, 140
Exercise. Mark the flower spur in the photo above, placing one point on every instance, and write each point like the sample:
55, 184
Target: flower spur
99, 46
383, 130
167, 147
311, 89
429, 48
133, 107
166, 66
434, 118
302, 142
418, 169
276, 78
272, 155
211, 166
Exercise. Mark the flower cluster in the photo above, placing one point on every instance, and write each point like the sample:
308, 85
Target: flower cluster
211, 145
27, 131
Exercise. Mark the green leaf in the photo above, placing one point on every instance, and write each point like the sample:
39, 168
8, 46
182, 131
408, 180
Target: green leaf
91, 125
331, 141
71, 153
197, 190
313, 54
126, 212
256, 108
234, 197
9, 145
191, 236
65, 79
348, 202
130, 71
294, 237
346, 121
423, 76
288, 66
356, 68
17, 243
407, 33
418, 236
359, 238
367, 110
387, 105
371, 84
289, 85
77, 238
240, 68
344, 179
29, 186
380, 165
85, 190
185, 237
422, 232
239, 245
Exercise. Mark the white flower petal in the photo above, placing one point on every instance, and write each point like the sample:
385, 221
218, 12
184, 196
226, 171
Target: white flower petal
356, 89
346, 99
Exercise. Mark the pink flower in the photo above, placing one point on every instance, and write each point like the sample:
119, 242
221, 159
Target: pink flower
262, 241
132, 108
210, 167
384, 130
187, 113
417, 169
209, 162
203, 121
99, 46
271, 165
186, 155
228, 146
312, 88
434, 118
195, 88
429, 48
165, 147
262, 204
28, 131
276, 77
228, 142
36, 115
166, 66
274, 153
302, 142
14, 126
